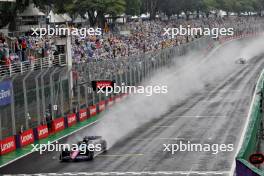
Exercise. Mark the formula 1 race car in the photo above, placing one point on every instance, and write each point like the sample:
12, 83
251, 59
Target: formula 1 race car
87, 149
241, 61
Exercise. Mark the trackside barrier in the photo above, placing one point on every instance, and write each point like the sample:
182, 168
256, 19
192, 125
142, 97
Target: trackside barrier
251, 140
71, 119
41, 132
117, 99
58, 125
82, 115
11, 143
110, 102
101, 106
7, 145
25, 138
92, 111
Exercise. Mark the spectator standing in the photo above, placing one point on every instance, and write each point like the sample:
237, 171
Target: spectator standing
24, 47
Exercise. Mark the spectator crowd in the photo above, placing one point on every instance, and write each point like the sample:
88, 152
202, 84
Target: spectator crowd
147, 36
141, 37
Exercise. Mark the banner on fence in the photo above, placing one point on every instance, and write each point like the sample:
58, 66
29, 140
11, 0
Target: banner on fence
82, 114
7, 145
5, 93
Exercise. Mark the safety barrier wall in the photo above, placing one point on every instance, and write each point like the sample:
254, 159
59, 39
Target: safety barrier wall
252, 136
42, 131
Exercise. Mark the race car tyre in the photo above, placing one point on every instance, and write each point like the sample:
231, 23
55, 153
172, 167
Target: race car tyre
90, 155
61, 158
104, 148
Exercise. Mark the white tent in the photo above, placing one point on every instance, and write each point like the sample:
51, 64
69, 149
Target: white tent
145, 15
67, 17
134, 17
55, 18
31, 10
79, 19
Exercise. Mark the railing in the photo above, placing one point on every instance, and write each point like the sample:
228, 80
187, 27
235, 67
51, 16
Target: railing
32, 65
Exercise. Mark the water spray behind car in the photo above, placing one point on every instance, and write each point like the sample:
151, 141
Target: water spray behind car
189, 75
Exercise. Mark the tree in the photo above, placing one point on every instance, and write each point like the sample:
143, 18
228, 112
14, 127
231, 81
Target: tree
188, 6
133, 7
96, 9
151, 6
210, 5
246, 6
258, 6
168, 7
9, 11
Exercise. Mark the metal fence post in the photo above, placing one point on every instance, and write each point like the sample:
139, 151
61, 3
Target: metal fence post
145, 68
25, 100
148, 67
1, 135
70, 84
121, 78
93, 95
126, 77
138, 74
86, 96
10, 70
38, 99
43, 93
134, 75
61, 97
78, 94
130, 77
52, 92
13, 108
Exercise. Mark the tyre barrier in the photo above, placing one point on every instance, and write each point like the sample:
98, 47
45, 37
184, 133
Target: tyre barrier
29, 136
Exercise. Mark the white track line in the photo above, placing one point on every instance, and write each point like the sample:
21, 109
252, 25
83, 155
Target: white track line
197, 116
159, 173
245, 126
159, 139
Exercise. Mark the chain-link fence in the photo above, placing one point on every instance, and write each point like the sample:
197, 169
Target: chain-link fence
54, 92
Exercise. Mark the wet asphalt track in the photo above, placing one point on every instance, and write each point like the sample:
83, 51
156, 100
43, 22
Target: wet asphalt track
211, 116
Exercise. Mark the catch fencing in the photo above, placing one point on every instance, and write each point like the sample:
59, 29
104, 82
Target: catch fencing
54, 92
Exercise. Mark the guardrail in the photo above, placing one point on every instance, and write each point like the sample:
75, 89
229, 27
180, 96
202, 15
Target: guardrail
31, 65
